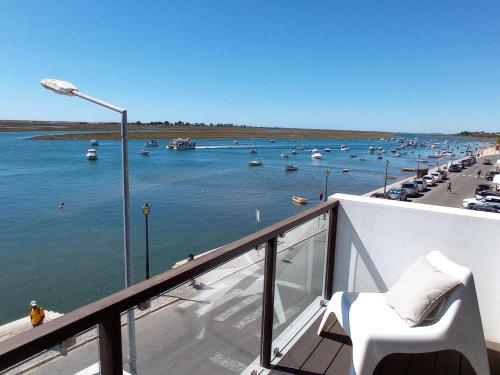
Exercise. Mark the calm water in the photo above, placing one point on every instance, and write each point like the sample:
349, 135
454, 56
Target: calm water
200, 199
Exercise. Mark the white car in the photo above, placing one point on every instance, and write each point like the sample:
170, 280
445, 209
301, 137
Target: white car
422, 184
471, 202
429, 180
437, 176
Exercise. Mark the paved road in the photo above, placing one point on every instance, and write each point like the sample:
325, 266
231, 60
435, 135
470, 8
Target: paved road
216, 330
463, 185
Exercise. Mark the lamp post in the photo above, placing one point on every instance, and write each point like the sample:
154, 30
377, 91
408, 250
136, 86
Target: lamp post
418, 164
67, 88
146, 209
327, 174
385, 179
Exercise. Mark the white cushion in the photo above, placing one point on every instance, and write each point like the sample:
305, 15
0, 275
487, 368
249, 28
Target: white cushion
419, 290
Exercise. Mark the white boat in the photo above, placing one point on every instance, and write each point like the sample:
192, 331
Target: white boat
371, 149
327, 149
253, 150
299, 200
152, 143
380, 148
316, 155
396, 155
345, 170
284, 155
295, 152
344, 148
255, 163
91, 154
182, 144
271, 140
290, 168
94, 142
236, 142
144, 152
436, 155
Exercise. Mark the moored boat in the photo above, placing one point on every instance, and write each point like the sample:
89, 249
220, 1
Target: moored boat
345, 170
316, 155
299, 200
327, 149
284, 155
290, 168
182, 144
152, 143
255, 163
344, 148
144, 152
94, 142
91, 154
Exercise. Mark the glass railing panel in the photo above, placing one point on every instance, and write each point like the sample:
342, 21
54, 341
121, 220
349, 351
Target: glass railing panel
300, 266
76, 355
209, 325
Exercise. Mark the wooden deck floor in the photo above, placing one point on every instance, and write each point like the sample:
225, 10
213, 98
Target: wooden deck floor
331, 355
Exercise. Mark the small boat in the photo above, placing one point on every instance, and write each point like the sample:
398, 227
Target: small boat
91, 154
345, 170
144, 152
152, 143
284, 155
379, 157
353, 156
299, 200
253, 150
255, 163
408, 169
182, 144
290, 168
271, 140
344, 148
316, 155
295, 152
94, 142
327, 149
380, 148
371, 149
396, 155
236, 142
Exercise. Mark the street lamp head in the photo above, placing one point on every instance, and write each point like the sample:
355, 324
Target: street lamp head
58, 86
146, 209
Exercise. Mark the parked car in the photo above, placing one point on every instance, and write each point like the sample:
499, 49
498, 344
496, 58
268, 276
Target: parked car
482, 187
443, 174
488, 207
470, 202
485, 193
490, 174
421, 184
474, 160
437, 176
455, 168
411, 188
397, 194
429, 179
487, 162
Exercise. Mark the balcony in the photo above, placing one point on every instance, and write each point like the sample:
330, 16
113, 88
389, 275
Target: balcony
253, 306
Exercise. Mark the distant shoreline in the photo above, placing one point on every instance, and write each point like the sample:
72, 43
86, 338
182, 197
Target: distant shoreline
136, 131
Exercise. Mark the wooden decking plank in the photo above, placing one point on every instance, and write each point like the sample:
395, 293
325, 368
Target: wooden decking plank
342, 361
447, 363
322, 357
303, 348
423, 363
395, 364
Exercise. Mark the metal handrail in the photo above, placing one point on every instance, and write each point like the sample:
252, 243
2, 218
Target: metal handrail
29, 343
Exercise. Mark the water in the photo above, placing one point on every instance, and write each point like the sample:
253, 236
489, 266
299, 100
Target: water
200, 199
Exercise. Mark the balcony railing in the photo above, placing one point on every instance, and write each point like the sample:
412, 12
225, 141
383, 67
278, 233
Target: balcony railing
290, 238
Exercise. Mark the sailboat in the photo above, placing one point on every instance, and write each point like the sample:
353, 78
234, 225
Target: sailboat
253, 150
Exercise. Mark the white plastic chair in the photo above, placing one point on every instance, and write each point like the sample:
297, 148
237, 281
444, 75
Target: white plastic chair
377, 331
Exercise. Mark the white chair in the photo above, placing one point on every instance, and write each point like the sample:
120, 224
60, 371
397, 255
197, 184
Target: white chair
377, 331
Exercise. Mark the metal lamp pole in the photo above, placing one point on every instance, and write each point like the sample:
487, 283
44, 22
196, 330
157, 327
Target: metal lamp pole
385, 179
146, 209
67, 88
327, 174
418, 164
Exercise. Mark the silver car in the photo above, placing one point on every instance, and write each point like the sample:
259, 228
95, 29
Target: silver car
421, 184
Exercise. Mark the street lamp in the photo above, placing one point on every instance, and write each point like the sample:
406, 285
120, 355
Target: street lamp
418, 164
385, 179
327, 174
146, 209
67, 88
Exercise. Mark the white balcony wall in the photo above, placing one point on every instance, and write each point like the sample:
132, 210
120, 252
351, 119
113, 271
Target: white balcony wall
378, 239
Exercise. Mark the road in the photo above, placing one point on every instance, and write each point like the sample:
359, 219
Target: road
215, 329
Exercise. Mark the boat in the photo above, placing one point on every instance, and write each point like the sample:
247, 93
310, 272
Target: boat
255, 163
144, 152
316, 155
422, 161
253, 150
380, 148
284, 155
379, 157
299, 200
327, 149
353, 156
344, 148
362, 159
290, 168
91, 154
396, 155
436, 155
371, 149
400, 140
182, 144
94, 142
295, 152
271, 140
345, 170
408, 169
152, 143
236, 142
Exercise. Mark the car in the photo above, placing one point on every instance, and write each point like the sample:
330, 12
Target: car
421, 184
488, 207
454, 168
486, 193
411, 188
437, 176
470, 202
443, 174
487, 162
397, 194
463, 163
429, 179
490, 174
482, 187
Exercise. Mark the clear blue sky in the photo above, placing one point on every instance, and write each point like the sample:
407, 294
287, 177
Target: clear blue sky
377, 65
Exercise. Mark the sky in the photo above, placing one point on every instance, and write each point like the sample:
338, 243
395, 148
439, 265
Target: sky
415, 66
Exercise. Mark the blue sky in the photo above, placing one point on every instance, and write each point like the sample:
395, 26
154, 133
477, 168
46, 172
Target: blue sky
375, 65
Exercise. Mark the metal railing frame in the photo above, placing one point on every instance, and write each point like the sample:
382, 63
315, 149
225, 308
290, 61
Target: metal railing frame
106, 312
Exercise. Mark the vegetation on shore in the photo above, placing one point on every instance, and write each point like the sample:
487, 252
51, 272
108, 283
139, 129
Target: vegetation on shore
481, 134
166, 130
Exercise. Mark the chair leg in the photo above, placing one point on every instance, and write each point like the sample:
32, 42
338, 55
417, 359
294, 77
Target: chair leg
327, 321
364, 361
478, 360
